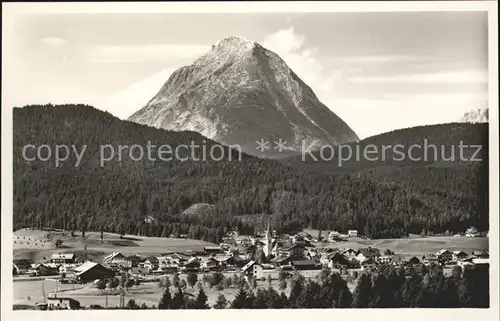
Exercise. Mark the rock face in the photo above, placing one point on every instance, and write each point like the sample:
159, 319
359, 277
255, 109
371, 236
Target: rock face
479, 115
240, 93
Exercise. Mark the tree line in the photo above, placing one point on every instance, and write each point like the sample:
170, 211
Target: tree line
385, 287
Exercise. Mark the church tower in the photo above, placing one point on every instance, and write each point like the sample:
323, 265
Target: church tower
268, 240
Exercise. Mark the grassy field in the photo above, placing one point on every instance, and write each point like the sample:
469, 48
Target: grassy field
37, 245
416, 246
149, 293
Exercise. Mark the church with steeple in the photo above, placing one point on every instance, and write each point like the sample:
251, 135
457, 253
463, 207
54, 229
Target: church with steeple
268, 242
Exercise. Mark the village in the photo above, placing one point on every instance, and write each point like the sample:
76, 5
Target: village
252, 258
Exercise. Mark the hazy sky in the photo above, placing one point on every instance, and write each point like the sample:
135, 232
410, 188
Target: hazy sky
377, 71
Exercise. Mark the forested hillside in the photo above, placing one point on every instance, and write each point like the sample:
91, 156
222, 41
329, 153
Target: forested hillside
120, 195
453, 145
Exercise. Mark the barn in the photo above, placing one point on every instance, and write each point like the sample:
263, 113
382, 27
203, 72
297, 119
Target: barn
91, 271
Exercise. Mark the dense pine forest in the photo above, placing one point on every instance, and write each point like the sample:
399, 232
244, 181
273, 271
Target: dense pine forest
380, 199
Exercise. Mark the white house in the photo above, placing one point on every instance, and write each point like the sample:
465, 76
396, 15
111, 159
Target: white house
62, 303
472, 232
352, 233
385, 259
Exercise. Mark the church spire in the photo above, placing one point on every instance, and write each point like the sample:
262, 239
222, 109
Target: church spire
268, 241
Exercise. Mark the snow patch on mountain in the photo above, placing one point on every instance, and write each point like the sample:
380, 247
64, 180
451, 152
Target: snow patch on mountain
479, 115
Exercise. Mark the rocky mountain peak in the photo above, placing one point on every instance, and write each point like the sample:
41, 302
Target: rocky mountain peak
240, 93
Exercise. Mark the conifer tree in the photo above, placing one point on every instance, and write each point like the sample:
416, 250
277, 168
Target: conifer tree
363, 292
201, 301
165, 300
178, 301
221, 302
240, 300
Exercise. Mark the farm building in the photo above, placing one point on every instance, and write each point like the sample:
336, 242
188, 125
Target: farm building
212, 249
306, 265
22, 266
91, 271
38, 269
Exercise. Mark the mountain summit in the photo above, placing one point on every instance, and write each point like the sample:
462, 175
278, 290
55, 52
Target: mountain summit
240, 93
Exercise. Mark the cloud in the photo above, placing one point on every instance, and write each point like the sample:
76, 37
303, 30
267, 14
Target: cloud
53, 41
304, 61
132, 98
144, 53
451, 77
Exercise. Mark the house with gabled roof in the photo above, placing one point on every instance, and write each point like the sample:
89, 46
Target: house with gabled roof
481, 254
150, 262
248, 268
40, 269
368, 264
412, 261
134, 260
282, 261
305, 264
55, 302
349, 253
211, 264
430, 259
91, 271
444, 255
459, 255
472, 232
364, 254
22, 265
337, 261
212, 249
115, 256
296, 250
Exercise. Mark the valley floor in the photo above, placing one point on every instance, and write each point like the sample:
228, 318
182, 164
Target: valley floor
39, 246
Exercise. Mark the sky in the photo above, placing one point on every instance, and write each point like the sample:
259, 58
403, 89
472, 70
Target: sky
378, 71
